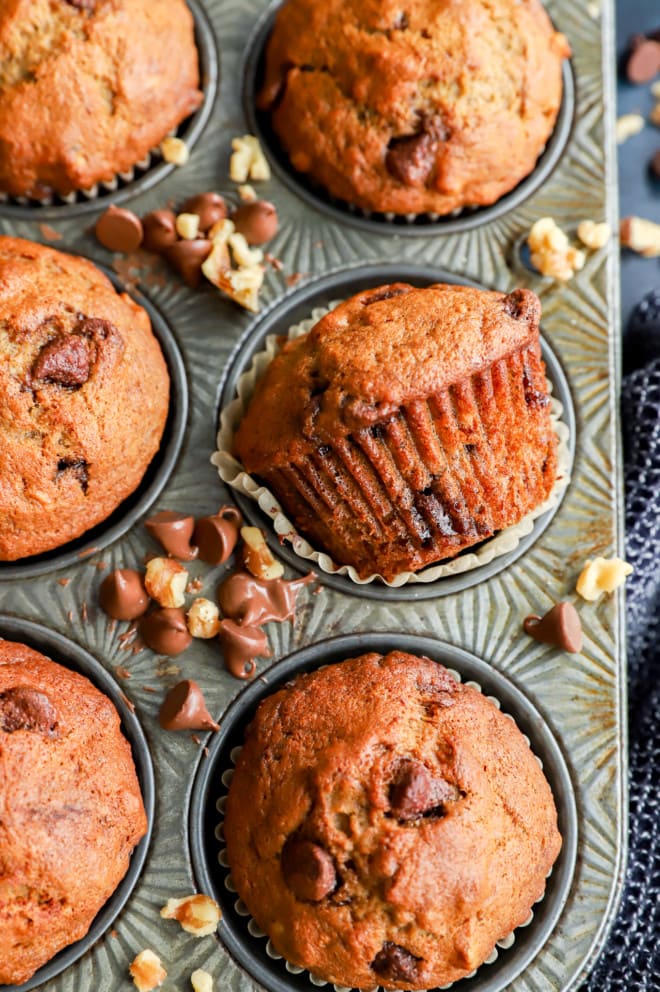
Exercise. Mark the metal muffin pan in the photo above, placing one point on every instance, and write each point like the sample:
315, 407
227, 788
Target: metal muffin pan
72, 656
341, 285
581, 698
144, 177
155, 478
315, 196
250, 952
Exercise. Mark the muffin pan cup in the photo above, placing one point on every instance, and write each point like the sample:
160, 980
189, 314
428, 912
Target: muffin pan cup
320, 293
72, 656
144, 174
381, 223
580, 697
237, 929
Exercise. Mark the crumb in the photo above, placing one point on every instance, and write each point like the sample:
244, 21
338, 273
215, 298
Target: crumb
63, 582
111, 626
196, 739
69, 616
274, 262
149, 688
295, 278
49, 233
101, 565
86, 552
83, 611
194, 585
127, 701
122, 673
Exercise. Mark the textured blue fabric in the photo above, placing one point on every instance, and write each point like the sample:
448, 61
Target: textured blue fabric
631, 959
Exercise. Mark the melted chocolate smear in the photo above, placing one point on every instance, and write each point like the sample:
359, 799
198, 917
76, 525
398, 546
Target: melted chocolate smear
396, 963
78, 467
241, 645
27, 709
251, 601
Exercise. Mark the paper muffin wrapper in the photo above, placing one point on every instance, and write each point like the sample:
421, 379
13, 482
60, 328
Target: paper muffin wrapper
233, 474
255, 930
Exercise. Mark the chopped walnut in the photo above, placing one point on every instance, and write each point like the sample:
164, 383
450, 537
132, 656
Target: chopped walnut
247, 160
593, 235
197, 914
244, 256
165, 581
221, 231
602, 575
175, 151
147, 972
258, 557
640, 235
187, 226
201, 981
628, 126
203, 619
247, 193
242, 285
551, 253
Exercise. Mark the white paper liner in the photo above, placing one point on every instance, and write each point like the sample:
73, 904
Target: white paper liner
233, 474
255, 931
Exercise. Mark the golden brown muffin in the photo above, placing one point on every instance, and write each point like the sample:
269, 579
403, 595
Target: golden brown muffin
427, 106
408, 424
84, 395
71, 811
88, 87
386, 825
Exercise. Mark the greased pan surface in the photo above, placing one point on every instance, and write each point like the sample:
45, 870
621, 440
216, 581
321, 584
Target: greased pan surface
581, 698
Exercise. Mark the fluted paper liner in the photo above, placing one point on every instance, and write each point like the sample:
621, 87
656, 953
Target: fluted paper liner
233, 474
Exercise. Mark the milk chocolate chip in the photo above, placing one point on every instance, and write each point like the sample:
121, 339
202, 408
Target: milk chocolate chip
256, 221
64, 361
415, 792
173, 531
209, 207
119, 230
643, 63
560, 627
396, 963
159, 229
216, 536
241, 645
165, 631
187, 257
22, 708
184, 709
308, 869
123, 595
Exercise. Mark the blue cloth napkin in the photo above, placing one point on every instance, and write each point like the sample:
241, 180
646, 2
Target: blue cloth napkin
631, 958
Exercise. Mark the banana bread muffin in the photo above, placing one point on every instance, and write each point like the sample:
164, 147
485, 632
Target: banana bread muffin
84, 395
408, 425
88, 87
427, 106
387, 825
71, 811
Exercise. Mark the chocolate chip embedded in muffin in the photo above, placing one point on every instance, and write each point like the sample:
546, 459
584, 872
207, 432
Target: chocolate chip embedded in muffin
395, 963
24, 708
415, 792
64, 361
308, 869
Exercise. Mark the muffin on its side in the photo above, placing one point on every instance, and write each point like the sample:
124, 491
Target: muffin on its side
427, 106
71, 807
408, 425
89, 87
84, 396
387, 825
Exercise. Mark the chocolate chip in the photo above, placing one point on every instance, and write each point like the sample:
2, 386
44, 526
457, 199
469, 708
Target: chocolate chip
560, 626
643, 63
209, 207
159, 229
184, 709
519, 304
411, 159
257, 221
308, 869
64, 361
384, 293
534, 398
122, 594
22, 708
119, 230
78, 467
216, 536
415, 792
165, 631
187, 257
173, 531
396, 963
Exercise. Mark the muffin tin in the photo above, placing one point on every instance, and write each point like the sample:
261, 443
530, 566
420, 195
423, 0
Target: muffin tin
579, 699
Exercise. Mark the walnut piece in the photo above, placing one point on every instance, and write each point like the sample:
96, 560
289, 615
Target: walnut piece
640, 235
197, 914
551, 252
628, 126
257, 556
147, 972
174, 151
242, 285
593, 235
201, 981
244, 256
203, 619
601, 575
248, 160
247, 193
165, 581
187, 226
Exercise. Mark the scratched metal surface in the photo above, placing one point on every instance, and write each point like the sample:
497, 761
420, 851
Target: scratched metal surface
581, 698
